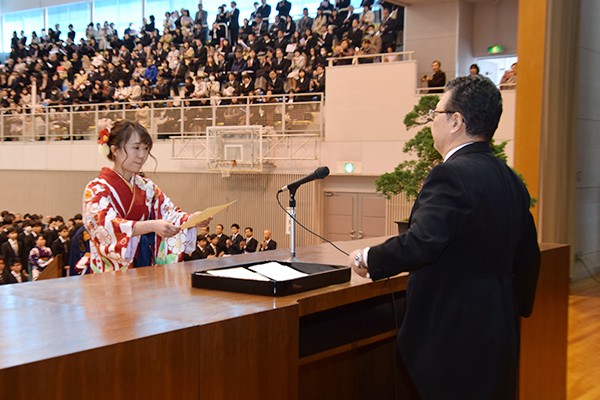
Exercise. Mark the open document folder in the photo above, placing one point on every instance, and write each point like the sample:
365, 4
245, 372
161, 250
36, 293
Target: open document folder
271, 270
205, 214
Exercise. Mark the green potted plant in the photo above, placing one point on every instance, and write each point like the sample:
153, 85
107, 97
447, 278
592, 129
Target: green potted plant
409, 175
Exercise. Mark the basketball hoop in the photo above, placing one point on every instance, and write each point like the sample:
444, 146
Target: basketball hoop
226, 166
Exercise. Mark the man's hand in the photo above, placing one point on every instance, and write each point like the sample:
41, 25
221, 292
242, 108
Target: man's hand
358, 267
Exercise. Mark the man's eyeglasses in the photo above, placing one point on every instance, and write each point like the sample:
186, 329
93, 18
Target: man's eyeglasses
433, 113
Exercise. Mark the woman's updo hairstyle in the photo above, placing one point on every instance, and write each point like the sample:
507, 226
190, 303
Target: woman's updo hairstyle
121, 133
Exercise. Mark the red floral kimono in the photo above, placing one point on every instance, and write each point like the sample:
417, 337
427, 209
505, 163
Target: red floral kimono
111, 208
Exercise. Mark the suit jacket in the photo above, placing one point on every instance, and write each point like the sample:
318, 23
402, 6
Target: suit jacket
472, 252
61, 248
9, 254
272, 245
264, 12
276, 87
9, 278
251, 246
222, 244
283, 66
235, 244
200, 254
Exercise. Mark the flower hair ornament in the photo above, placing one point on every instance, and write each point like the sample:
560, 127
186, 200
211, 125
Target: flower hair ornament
103, 137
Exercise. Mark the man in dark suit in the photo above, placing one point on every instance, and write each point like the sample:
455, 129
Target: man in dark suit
249, 245
202, 251
268, 243
62, 245
222, 239
14, 248
281, 65
471, 249
283, 8
264, 11
236, 239
234, 23
275, 84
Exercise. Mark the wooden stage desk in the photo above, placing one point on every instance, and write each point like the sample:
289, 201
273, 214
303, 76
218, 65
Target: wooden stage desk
147, 334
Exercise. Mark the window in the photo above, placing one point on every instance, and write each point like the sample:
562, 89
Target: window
121, 12
27, 21
77, 14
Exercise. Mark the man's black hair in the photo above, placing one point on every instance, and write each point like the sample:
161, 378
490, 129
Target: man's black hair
479, 102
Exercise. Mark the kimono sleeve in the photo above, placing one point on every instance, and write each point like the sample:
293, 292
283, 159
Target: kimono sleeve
163, 208
111, 234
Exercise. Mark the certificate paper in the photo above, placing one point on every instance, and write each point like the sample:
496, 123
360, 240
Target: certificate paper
238, 273
276, 271
205, 214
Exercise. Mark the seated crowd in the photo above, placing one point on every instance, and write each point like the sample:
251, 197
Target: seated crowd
29, 243
189, 59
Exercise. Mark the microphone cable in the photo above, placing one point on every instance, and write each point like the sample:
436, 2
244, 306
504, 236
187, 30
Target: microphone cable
307, 229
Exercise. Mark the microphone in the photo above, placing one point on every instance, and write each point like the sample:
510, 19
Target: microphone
319, 173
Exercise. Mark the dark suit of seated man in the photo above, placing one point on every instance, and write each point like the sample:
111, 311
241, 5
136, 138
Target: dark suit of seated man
236, 239
472, 253
268, 243
202, 251
249, 245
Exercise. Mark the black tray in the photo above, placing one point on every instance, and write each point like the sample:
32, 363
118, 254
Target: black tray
319, 275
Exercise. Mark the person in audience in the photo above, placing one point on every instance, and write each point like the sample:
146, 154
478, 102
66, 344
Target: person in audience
305, 22
131, 228
355, 34
247, 86
509, 79
233, 22
389, 28
4, 272
264, 11
62, 246
17, 273
298, 63
236, 239
222, 238
201, 19
474, 69
365, 50
343, 50
249, 244
39, 257
318, 81
14, 246
213, 246
437, 80
367, 17
79, 253
267, 243
202, 251
275, 83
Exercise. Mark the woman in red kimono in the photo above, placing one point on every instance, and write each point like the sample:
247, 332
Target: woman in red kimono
132, 223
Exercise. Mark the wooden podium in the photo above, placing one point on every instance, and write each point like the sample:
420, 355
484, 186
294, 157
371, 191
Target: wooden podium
147, 334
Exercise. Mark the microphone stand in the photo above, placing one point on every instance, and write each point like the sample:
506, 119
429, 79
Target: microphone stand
293, 223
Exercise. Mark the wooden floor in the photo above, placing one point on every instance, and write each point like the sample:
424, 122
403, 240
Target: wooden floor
583, 380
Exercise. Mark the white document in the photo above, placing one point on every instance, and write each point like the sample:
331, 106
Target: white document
239, 273
276, 271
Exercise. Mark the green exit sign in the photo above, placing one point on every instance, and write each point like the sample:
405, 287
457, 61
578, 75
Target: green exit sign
497, 49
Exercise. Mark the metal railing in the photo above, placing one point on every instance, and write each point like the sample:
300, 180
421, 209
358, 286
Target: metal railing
284, 114
421, 91
371, 58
